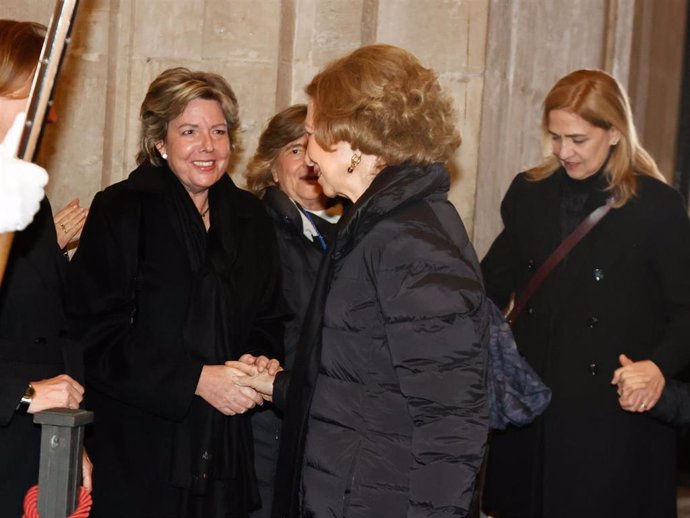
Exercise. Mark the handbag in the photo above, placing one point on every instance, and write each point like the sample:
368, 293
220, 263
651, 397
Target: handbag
516, 393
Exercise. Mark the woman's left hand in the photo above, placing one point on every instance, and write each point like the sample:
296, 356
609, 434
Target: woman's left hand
69, 222
640, 384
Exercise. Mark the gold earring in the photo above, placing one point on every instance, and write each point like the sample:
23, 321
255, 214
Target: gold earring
354, 162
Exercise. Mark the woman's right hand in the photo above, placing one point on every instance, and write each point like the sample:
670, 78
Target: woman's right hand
59, 392
217, 385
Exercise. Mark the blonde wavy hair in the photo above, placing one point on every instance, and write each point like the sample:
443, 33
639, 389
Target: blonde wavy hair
168, 96
283, 128
600, 100
383, 102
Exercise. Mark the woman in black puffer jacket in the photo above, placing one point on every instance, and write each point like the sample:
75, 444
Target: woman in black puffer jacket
385, 407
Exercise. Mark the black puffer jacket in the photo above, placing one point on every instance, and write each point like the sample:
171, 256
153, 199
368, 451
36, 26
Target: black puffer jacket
396, 421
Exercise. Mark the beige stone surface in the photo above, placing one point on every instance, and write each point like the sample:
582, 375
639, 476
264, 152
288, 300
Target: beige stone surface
530, 45
496, 58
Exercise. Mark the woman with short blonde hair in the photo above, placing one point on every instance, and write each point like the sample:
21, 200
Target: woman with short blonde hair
176, 274
385, 409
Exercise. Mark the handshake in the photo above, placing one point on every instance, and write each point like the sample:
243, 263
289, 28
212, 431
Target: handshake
257, 373
238, 386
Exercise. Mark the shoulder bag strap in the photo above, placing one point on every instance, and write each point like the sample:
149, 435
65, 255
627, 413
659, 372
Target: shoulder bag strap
556, 257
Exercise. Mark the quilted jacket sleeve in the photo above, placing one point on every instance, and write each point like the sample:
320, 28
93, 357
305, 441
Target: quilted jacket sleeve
674, 405
436, 319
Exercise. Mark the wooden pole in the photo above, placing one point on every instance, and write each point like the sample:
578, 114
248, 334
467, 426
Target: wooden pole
59, 475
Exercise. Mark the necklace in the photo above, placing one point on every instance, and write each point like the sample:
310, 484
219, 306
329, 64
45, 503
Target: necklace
203, 214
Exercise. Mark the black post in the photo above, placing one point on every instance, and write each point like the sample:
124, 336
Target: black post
62, 438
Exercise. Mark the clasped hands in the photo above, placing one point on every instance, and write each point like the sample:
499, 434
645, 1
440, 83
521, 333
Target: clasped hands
639, 384
239, 385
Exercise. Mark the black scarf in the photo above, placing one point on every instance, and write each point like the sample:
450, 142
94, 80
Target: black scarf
212, 455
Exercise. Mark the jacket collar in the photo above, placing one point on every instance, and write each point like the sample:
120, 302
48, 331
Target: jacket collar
278, 203
393, 188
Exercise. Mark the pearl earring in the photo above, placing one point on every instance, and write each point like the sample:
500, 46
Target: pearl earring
165, 156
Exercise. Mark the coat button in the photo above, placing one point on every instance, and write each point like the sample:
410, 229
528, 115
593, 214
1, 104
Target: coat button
40, 340
592, 322
530, 265
598, 274
206, 455
593, 368
530, 310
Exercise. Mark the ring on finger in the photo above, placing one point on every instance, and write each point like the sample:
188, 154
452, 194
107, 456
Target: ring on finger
63, 227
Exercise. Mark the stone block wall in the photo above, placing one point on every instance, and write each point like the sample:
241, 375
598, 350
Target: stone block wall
497, 58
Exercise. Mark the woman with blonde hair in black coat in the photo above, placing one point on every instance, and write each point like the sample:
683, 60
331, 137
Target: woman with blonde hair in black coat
621, 295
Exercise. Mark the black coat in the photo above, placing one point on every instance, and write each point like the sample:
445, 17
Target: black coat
398, 418
624, 289
299, 259
130, 287
32, 322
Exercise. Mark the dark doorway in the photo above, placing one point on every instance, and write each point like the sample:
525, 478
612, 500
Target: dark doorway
682, 177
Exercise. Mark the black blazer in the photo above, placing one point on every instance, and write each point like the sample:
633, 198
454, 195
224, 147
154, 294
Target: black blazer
31, 348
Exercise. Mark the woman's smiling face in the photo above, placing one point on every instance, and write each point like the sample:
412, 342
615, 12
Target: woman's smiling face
197, 145
295, 178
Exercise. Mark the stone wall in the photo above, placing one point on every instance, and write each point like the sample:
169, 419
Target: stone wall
497, 58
